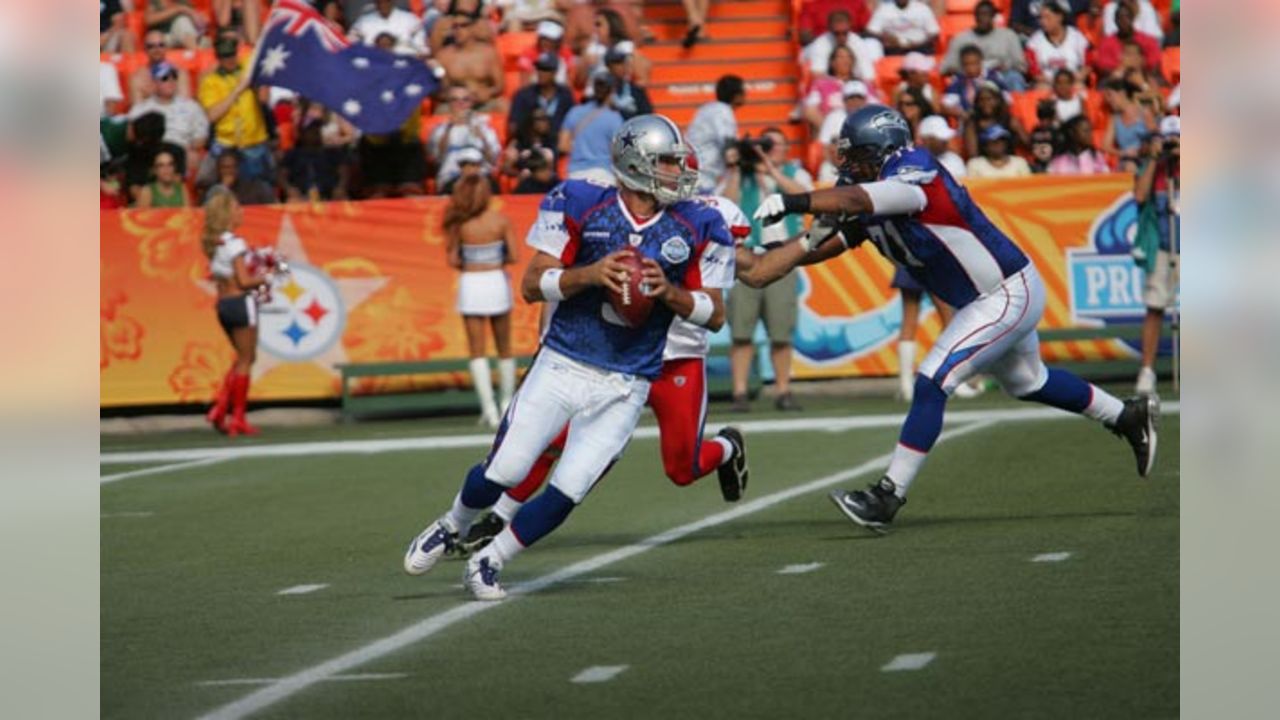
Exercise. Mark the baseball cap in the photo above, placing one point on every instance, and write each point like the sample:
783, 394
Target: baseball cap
225, 47
550, 30
547, 61
918, 61
935, 126
601, 76
469, 155
995, 132
1171, 126
615, 55
854, 88
163, 69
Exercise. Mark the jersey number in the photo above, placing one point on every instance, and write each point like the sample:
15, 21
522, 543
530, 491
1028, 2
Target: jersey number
890, 242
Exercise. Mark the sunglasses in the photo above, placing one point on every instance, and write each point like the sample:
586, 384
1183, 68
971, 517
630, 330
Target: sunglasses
167, 78
155, 46
460, 99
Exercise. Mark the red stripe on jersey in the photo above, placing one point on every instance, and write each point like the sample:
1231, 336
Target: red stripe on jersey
570, 252
939, 208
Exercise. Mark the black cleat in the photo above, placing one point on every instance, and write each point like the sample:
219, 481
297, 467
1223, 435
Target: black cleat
481, 533
733, 474
872, 508
1137, 424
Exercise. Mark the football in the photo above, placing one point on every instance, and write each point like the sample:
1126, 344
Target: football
632, 305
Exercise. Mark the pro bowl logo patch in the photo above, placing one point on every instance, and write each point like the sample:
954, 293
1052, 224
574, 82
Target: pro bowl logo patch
675, 250
305, 317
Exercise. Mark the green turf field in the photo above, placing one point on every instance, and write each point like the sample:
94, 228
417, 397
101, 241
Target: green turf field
193, 560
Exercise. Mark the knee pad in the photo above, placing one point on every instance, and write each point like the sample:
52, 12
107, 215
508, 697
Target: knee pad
1024, 382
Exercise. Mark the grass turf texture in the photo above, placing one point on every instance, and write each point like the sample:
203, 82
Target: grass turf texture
706, 625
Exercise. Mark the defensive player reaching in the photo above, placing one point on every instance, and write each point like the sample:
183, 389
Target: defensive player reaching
679, 402
593, 371
925, 222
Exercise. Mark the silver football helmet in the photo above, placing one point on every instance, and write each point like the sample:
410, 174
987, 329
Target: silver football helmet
650, 155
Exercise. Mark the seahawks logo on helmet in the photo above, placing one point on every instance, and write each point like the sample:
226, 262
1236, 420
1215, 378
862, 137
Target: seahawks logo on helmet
889, 121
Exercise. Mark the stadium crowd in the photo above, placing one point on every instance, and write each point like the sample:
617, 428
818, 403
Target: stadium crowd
533, 89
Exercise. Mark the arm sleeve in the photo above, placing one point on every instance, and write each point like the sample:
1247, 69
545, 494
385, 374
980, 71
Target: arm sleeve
713, 266
895, 197
550, 232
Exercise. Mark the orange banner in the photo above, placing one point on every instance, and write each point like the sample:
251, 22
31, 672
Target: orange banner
370, 284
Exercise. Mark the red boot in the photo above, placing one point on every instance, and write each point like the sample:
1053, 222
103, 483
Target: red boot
237, 425
217, 414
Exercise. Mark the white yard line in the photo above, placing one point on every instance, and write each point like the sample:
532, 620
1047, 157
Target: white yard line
1052, 557
425, 628
598, 674
157, 470
303, 589
909, 661
360, 447
800, 569
355, 677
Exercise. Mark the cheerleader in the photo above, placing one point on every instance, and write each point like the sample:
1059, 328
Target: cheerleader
238, 278
479, 242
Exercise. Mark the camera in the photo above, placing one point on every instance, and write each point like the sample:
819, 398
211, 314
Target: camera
748, 159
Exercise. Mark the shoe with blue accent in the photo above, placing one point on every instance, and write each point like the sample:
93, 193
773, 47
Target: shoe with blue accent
872, 508
430, 545
481, 578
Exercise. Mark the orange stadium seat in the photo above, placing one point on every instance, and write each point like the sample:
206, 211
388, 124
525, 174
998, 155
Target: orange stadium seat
888, 75
1171, 64
1024, 105
514, 44
961, 6
950, 26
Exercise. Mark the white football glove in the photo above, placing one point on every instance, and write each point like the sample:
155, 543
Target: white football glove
771, 210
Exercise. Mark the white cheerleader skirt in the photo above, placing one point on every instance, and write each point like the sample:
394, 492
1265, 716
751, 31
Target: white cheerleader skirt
485, 293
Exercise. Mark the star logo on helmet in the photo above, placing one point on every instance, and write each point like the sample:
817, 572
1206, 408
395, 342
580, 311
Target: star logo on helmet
629, 139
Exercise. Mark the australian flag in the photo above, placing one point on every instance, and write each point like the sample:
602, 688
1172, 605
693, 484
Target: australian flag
374, 89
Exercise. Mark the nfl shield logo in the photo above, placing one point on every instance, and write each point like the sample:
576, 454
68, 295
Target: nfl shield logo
636, 239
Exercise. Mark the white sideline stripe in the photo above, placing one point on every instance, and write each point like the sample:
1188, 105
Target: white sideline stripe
433, 624
303, 589
909, 661
129, 514
344, 447
598, 673
799, 569
1051, 557
356, 677
206, 460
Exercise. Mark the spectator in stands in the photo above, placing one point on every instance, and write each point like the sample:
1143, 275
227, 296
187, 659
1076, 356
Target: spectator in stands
1078, 156
1146, 84
312, 171
546, 94
748, 184
990, 107
1155, 189
1089, 23
335, 131
537, 177
609, 32
588, 132
855, 96
958, 98
235, 113
817, 54
1068, 97
815, 13
914, 107
179, 22
480, 243
148, 142
1044, 138
247, 190
1173, 38
550, 41
1024, 15
1107, 56
242, 17
904, 26
825, 91
333, 11
473, 62
185, 124
1057, 45
1130, 124
464, 129
142, 82
915, 71
403, 25
532, 136
995, 160
113, 33
935, 135
1000, 50
1145, 18
110, 94
696, 15
167, 189
629, 98
714, 127
112, 192
519, 14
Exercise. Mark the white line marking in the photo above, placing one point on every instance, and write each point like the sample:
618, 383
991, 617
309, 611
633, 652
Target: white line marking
839, 423
598, 673
800, 569
201, 460
302, 589
425, 628
599, 580
139, 514
355, 677
909, 661
1051, 557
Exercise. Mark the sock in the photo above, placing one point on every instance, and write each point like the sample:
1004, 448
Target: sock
505, 546
540, 516
919, 433
506, 382
477, 493
507, 507
906, 367
1068, 392
483, 383
713, 453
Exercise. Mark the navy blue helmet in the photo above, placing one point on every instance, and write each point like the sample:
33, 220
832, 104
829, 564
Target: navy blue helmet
868, 137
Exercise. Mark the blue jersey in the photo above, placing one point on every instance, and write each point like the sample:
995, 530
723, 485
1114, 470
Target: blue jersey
949, 246
580, 222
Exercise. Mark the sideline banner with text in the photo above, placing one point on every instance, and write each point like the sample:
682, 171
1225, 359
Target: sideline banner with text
370, 284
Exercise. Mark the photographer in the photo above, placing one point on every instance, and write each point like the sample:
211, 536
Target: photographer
754, 170
1155, 189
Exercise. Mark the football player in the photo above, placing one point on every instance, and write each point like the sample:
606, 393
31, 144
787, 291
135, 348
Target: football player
593, 371
925, 222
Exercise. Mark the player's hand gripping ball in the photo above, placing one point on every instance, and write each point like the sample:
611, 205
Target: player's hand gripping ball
630, 296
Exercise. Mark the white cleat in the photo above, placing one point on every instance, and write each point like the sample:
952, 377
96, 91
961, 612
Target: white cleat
481, 578
429, 546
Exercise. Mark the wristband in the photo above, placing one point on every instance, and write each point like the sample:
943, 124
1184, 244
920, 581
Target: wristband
549, 283
796, 204
703, 308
